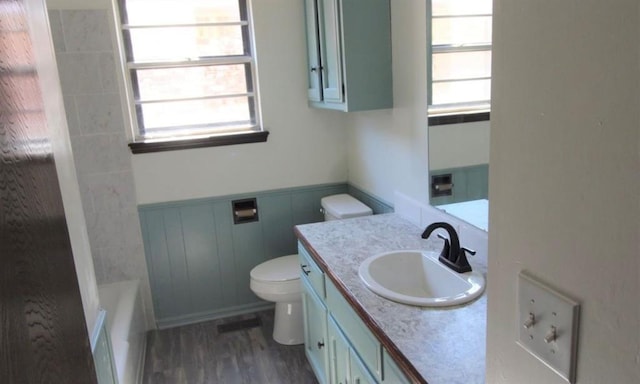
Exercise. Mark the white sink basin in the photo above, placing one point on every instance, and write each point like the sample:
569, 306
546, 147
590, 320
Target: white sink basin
418, 278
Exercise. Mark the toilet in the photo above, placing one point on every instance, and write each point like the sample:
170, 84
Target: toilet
278, 279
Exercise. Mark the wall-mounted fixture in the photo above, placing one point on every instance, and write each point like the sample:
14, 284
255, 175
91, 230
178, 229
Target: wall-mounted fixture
244, 211
441, 185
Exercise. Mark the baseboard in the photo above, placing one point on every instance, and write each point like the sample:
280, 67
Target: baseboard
213, 315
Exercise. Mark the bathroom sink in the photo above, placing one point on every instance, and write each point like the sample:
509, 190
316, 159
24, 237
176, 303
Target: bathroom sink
418, 278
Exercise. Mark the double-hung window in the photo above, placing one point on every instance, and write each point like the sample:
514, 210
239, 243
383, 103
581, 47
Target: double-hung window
190, 70
460, 57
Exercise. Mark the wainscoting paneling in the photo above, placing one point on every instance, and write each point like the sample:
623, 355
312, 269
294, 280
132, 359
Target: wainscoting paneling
199, 260
469, 183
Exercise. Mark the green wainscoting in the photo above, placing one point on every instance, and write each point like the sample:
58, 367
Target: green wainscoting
469, 183
199, 260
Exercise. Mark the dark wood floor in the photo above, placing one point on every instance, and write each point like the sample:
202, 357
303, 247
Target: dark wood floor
199, 354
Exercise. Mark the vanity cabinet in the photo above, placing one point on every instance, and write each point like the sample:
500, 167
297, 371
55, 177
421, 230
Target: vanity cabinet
339, 346
349, 54
315, 332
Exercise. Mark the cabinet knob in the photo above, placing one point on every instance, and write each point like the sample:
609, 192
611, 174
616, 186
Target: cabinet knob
313, 69
320, 344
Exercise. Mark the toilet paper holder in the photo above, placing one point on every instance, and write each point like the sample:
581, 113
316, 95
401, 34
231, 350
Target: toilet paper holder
244, 211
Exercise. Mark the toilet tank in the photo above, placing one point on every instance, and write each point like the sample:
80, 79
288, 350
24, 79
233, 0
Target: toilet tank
343, 206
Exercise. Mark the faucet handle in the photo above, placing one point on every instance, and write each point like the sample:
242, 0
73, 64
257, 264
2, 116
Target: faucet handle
469, 251
446, 250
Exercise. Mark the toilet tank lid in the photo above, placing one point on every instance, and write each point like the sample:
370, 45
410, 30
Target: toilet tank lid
344, 206
282, 268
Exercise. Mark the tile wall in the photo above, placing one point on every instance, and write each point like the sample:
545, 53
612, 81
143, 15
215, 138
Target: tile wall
87, 67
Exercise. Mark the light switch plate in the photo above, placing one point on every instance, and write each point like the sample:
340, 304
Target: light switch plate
548, 325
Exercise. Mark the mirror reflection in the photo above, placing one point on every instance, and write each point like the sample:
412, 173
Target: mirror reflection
459, 81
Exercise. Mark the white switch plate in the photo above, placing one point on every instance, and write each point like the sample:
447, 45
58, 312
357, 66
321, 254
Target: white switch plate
548, 311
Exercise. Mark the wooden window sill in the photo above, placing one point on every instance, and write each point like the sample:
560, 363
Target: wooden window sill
201, 142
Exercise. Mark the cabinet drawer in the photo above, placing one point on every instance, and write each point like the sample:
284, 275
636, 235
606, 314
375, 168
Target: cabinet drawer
363, 341
310, 272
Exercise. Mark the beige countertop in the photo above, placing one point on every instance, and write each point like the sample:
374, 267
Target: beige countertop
433, 345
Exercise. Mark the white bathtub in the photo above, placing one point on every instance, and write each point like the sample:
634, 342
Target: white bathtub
126, 326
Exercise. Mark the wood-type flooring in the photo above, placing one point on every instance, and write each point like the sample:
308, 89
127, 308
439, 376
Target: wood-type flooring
200, 354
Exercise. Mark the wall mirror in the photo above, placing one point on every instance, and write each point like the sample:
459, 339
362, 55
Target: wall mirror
459, 96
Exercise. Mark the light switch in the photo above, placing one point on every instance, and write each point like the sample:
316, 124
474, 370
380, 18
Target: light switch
548, 325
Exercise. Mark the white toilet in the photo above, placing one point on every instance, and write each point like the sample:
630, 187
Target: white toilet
278, 279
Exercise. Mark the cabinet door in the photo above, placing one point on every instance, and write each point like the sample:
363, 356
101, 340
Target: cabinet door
359, 373
313, 50
315, 332
392, 373
330, 50
338, 354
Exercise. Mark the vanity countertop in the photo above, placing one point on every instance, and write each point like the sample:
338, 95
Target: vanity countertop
432, 345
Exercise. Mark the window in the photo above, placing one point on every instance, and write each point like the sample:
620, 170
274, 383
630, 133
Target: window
190, 70
460, 52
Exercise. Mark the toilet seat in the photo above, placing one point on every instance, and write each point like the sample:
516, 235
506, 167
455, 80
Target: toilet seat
280, 269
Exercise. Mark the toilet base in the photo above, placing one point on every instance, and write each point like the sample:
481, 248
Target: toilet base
288, 326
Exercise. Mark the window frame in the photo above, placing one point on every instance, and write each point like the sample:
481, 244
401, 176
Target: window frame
455, 113
238, 134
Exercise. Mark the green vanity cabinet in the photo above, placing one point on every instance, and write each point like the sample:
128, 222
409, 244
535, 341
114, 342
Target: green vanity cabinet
339, 354
349, 54
339, 346
315, 332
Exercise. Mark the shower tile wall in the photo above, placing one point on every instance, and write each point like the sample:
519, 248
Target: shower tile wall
87, 68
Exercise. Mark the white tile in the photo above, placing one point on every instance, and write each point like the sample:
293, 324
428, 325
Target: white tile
111, 228
86, 30
72, 115
107, 69
408, 208
121, 263
100, 113
101, 153
85, 195
112, 191
79, 73
57, 34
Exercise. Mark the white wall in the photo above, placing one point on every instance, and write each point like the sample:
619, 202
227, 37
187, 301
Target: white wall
305, 146
459, 145
388, 149
564, 179
54, 109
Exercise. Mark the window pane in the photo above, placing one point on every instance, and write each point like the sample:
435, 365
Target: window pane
182, 82
461, 91
461, 30
206, 113
461, 7
461, 65
162, 12
182, 43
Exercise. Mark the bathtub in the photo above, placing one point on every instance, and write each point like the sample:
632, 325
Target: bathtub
126, 326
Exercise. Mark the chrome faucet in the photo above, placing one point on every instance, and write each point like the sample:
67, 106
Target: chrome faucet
452, 255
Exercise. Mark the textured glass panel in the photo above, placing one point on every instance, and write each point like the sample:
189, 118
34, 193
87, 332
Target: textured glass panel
197, 112
461, 65
461, 91
182, 82
183, 43
159, 12
461, 7
461, 30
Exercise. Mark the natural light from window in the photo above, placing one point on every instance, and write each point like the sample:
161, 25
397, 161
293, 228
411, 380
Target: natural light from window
190, 67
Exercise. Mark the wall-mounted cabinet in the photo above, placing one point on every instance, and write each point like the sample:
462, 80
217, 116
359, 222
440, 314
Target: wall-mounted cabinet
349, 54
